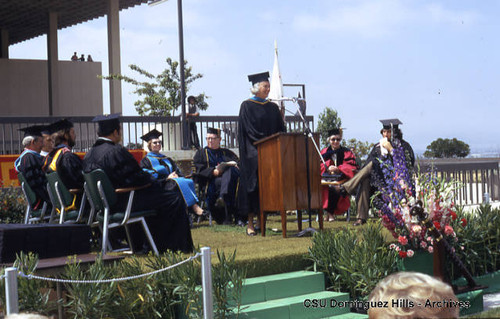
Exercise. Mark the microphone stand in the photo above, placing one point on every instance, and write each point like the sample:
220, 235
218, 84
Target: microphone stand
307, 135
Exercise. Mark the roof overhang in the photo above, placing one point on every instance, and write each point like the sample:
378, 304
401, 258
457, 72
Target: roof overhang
27, 19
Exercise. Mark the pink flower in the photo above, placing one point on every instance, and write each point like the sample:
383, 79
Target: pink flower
392, 246
430, 249
397, 248
429, 238
423, 244
410, 253
448, 230
402, 240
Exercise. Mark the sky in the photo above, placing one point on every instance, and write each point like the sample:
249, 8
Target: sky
433, 64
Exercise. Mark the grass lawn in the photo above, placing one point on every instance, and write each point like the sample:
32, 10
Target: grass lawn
230, 238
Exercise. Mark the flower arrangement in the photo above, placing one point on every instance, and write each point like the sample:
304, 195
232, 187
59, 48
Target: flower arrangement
399, 194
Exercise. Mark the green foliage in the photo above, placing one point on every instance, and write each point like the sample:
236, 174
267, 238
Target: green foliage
327, 120
361, 149
90, 300
162, 95
227, 284
445, 148
12, 205
352, 261
478, 243
33, 294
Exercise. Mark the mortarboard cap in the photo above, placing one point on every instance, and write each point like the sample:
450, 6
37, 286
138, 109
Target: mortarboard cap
59, 125
34, 130
107, 123
258, 77
151, 135
335, 131
212, 130
390, 123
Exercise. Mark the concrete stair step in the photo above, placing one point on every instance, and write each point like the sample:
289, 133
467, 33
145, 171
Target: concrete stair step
309, 305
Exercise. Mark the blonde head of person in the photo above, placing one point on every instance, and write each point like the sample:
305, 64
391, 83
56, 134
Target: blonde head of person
412, 295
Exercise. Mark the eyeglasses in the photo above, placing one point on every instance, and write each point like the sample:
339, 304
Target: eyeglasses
335, 139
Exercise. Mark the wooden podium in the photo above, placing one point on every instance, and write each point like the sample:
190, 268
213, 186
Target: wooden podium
283, 177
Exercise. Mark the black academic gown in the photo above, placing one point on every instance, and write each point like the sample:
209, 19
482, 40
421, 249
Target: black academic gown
377, 180
31, 167
68, 165
256, 121
224, 185
170, 227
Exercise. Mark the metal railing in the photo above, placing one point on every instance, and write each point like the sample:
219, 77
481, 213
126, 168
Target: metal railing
478, 177
133, 128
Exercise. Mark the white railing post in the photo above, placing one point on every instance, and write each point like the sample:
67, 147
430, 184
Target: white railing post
11, 295
206, 278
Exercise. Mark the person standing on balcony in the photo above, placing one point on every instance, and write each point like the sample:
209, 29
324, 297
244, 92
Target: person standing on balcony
74, 57
29, 163
192, 113
170, 226
258, 118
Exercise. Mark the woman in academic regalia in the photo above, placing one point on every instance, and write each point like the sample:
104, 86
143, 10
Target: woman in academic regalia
164, 169
341, 163
258, 118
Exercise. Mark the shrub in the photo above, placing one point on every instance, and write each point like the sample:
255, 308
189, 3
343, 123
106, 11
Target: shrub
12, 205
478, 241
353, 262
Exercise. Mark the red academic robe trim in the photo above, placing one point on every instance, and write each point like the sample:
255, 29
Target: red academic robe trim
348, 168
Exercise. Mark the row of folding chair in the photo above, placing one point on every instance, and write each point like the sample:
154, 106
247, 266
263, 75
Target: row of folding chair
100, 194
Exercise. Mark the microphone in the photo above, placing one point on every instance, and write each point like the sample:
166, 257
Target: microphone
293, 99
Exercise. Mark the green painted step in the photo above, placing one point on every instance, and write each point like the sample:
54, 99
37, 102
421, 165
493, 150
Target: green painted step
295, 307
279, 286
349, 315
475, 301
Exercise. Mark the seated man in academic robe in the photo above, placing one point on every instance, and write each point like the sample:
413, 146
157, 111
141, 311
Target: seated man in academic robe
63, 161
219, 182
29, 163
170, 227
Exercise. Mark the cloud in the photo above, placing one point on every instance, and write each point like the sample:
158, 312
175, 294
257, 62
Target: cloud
441, 15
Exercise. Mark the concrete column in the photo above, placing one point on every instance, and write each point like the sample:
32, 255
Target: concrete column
4, 45
52, 59
115, 86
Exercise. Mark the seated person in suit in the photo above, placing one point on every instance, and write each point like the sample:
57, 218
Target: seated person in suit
164, 169
219, 185
29, 163
341, 164
62, 160
170, 226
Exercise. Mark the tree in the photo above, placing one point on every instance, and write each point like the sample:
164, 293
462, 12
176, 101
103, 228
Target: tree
162, 96
327, 120
445, 148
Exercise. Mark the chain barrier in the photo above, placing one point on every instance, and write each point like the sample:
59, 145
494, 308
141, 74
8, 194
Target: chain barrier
102, 281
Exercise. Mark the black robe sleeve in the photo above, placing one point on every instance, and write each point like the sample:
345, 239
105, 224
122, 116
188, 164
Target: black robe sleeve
70, 170
31, 167
201, 163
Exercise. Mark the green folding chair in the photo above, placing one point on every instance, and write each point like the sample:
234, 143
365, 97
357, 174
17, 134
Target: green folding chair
64, 200
103, 196
32, 215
